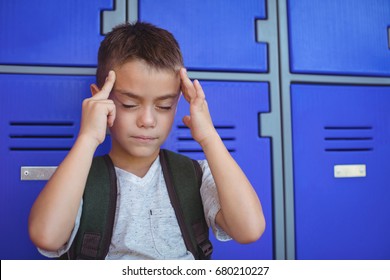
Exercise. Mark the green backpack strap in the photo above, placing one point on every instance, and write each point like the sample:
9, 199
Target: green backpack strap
93, 238
183, 178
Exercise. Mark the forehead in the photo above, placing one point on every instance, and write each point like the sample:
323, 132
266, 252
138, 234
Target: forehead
139, 78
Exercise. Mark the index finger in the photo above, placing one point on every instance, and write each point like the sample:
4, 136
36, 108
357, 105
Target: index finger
104, 93
186, 85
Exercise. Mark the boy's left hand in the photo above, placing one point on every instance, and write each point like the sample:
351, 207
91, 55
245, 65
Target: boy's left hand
199, 121
241, 215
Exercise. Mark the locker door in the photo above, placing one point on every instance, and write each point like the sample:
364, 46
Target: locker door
339, 37
340, 151
235, 108
213, 35
39, 122
45, 32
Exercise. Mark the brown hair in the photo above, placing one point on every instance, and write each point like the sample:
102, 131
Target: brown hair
155, 46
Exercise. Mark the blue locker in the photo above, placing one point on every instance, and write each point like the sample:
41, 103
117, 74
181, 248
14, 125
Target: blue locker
213, 35
45, 32
235, 109
40, 118
347, 37
341, 212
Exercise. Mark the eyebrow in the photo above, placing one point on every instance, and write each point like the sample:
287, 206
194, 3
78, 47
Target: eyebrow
135, 96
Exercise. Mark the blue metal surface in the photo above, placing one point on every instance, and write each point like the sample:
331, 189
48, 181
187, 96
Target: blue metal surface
45, 32
341, 218
213, 35
347, 37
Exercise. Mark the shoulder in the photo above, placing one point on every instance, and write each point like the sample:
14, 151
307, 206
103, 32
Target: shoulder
204, 165
208, 182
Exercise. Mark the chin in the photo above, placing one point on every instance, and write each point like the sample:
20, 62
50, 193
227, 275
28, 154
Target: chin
143, 152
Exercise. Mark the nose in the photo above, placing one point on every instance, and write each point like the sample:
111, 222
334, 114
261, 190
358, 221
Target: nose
146, 118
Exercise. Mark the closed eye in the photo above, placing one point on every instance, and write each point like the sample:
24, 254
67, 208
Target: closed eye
129, 106
165, 108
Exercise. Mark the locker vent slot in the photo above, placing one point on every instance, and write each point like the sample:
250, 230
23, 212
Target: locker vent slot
187, 144
348, 127
348, 149
41, 136
31, 136
348, 138
39, 149
41, 123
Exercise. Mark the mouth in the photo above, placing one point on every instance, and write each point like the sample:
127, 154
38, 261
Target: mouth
144, 139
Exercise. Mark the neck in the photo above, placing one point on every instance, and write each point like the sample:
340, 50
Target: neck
138, 166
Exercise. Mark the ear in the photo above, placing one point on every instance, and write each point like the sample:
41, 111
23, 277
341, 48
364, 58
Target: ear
94, 89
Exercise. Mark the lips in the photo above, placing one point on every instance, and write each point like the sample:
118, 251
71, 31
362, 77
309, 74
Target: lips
144, 139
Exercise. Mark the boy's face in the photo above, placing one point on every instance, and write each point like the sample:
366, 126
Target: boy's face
146, 101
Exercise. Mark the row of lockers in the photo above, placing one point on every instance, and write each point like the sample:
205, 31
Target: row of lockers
339, 132
331, 37
41, 116
71, 35
335, 216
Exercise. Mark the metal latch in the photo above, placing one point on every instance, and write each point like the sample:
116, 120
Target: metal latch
37, 173
349, 170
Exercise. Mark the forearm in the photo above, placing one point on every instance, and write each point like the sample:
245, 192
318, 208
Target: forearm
54, 211
241, 214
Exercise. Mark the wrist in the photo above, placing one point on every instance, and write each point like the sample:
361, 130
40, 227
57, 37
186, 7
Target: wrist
86, 143
210, 141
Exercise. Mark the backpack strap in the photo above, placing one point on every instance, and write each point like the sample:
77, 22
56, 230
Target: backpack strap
183, 178
93, 238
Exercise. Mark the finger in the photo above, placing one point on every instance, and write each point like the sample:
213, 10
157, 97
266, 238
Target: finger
111, 115
186, 86
187, 121
183, 74
199, 90
104, 93
200, 100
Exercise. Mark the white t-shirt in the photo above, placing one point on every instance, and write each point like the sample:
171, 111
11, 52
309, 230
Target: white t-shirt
145, 225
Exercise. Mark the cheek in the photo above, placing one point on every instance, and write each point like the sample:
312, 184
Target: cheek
122, 122
167, 120
172, 116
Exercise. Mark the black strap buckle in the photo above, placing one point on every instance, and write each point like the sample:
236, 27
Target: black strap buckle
206, 248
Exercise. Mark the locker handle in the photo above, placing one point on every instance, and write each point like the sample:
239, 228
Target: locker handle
350, 170
388, 36
36, 173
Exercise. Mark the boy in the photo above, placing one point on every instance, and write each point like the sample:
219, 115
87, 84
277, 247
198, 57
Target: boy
139, 78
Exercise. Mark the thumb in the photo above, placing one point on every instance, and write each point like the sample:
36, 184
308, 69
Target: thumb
187, 121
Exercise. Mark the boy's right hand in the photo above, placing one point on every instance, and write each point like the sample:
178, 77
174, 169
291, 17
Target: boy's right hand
98, 112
